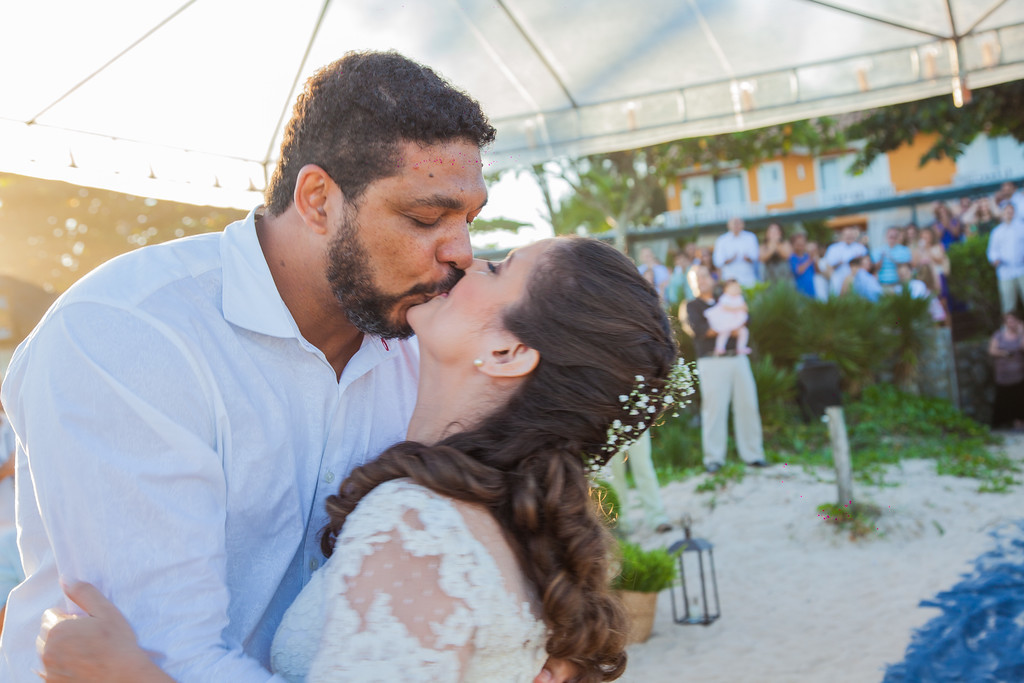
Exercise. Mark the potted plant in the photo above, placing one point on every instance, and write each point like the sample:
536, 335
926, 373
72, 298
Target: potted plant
642, 575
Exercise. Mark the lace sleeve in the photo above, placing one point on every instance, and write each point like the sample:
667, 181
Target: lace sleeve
408, 589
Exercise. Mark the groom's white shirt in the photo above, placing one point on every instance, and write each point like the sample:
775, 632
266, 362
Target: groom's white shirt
177, 439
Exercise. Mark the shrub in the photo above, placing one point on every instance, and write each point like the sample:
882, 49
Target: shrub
845, 329
675, 447
890, 411
776, 390
973, 280
908, 323
775, 314
644, 571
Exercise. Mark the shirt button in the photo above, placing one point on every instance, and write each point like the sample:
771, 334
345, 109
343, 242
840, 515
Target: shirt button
313, 564
329, 477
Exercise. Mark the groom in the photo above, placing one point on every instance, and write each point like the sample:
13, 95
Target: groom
183, 412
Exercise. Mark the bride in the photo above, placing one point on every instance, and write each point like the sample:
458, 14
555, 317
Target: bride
472, 551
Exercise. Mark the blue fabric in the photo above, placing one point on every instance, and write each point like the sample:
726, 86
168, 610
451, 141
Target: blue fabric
887, 259
978, 637
804, 281
946, 237
866, 285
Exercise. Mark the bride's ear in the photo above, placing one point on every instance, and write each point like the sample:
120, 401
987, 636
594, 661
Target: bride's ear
509, 357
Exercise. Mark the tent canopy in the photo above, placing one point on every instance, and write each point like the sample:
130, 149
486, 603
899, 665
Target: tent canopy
182, 98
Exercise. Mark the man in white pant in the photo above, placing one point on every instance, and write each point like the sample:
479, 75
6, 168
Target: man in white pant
723, 380
647, 487
1006, 254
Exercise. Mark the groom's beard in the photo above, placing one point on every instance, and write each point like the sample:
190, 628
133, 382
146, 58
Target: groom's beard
370, 310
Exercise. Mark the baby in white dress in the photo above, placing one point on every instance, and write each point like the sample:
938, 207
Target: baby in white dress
729, 314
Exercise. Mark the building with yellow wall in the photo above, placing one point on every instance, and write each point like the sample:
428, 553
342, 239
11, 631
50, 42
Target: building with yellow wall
800, 182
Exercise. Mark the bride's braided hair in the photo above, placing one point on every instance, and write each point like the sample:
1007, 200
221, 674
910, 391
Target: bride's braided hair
597, 325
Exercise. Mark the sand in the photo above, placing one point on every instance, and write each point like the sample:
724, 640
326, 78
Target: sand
802, 603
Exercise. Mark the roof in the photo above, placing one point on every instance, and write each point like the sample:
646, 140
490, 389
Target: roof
176, 95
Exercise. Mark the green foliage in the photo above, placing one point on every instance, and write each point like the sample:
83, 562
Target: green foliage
751, 147
775, 315
859, 336
994, 111
776, 390
884, 427
676, 449
797, 441
609, 191
481, 225
856, 518
975, 281
818, 231
883, 409
621, 189
887, 426
608, 503
908, 323
846, 330
995, 470
731, 473
645, 571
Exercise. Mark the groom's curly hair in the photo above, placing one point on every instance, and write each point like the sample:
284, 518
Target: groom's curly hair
597, 324
353, 114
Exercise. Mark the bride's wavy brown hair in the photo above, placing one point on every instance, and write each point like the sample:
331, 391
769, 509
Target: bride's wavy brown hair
596, 324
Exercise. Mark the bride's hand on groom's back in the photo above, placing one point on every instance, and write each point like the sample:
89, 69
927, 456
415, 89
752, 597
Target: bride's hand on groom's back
557, 671
97, 646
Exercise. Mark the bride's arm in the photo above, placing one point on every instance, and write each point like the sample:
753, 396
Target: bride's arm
391, 608
418, 583
99, 646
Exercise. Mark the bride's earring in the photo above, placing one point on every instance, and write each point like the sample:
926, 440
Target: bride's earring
478, 363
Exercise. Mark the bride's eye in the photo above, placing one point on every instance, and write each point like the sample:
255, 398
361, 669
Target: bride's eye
493, 268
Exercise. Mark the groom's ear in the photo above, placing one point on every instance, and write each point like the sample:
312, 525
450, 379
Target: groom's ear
509, 357
312, 196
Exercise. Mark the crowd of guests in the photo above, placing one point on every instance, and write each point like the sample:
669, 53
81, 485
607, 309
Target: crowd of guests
911, 257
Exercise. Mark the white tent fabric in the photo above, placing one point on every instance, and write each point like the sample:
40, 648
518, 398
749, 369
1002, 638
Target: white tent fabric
186, 99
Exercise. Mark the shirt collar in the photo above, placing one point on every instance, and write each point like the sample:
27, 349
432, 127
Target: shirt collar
250, 297
251, 300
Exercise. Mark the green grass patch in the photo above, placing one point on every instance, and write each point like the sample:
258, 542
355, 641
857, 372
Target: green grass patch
884, 426
858, 519
731, 473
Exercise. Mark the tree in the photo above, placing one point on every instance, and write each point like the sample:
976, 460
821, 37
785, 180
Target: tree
480, 225
570, 213
617, 190
610, 191
994, 111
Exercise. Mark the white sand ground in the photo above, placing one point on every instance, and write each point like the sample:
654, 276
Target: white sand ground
803, 604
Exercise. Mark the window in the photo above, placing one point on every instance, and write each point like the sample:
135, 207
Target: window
771, 183
729, 190
831, 180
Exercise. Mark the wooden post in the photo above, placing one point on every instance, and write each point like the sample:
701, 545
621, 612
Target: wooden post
840, 453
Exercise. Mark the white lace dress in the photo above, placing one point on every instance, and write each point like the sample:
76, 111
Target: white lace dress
420, 588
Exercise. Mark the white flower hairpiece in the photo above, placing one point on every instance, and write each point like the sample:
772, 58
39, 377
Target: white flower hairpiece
643, 406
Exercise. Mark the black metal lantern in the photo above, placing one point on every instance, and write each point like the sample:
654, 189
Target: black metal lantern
690, 551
